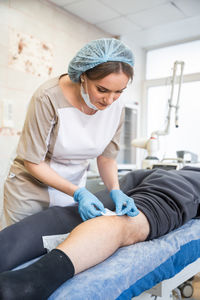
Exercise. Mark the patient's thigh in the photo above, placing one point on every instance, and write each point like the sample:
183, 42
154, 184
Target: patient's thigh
136, 229
22, 241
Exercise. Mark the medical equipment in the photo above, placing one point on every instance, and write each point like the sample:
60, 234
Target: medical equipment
152, 144
162, 265
187, 156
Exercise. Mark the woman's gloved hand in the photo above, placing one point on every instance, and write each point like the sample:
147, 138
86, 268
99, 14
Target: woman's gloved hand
89, 206
124, 204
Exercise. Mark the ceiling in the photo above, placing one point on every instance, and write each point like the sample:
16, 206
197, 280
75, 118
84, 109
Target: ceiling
148, 23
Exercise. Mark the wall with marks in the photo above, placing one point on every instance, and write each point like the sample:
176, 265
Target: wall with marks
37, 41
30, 55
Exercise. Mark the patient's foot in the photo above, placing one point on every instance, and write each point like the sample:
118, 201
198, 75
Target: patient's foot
37, 281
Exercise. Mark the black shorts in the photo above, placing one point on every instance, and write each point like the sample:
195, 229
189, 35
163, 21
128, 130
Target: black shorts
168, 199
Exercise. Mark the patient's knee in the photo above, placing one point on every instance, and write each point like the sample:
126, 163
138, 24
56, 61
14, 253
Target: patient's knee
136, 229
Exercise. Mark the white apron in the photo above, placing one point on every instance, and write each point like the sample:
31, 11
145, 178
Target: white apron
81, 137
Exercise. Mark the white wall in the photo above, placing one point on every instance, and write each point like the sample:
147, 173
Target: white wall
136, 89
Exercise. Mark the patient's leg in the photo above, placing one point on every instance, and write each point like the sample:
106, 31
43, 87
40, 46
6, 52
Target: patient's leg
93, 241
88, 244
22, 241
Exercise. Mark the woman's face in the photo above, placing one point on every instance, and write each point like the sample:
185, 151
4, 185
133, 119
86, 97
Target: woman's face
104, 92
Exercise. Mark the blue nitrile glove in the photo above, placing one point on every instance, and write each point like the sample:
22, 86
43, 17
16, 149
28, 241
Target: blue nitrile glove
89, 206
124, 204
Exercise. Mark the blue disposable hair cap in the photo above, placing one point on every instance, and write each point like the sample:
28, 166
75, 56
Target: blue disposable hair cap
97, 52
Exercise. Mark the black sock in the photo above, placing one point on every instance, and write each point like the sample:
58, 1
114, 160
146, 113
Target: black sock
39, 280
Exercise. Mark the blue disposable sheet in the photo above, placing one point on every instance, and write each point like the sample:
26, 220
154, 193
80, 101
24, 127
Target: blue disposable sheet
134, 269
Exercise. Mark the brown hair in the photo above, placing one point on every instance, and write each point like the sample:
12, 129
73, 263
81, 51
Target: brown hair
105, 69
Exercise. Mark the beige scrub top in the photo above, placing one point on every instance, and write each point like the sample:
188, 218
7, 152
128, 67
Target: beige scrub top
65, 138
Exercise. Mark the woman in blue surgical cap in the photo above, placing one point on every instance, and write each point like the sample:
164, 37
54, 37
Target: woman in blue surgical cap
71, 119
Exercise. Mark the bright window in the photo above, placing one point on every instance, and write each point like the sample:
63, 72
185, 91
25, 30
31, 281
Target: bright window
160, 61
187, 136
